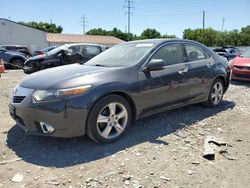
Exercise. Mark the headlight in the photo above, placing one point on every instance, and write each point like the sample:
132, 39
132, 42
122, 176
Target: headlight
48, 95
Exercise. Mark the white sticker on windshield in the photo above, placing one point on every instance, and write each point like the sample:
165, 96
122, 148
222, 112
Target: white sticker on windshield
145, 45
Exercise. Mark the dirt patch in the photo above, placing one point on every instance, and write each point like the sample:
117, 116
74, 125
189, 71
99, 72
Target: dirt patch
164, 150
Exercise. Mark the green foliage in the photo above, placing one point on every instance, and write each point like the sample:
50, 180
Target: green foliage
211, 37
115, 32
146, 34
150, 34
50, 28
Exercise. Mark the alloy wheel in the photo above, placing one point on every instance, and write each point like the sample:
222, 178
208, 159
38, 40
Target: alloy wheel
112, 120
217, 93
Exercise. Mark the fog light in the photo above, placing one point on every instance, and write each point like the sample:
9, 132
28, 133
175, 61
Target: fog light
47, 128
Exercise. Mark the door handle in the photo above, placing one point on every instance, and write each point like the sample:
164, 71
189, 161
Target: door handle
210, 65
183, 70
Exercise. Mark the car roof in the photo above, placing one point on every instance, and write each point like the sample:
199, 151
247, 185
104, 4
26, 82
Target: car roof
89, 44
23, 46
165, 40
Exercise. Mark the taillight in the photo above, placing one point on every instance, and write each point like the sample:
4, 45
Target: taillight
40, 53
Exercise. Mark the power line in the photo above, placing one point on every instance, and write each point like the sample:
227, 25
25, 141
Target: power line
83, 23
129, 12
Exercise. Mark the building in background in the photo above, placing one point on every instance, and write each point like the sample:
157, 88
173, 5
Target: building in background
13, 33
59, 39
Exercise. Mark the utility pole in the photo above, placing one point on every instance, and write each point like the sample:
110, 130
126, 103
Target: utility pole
203, 27
223, 22
83, 22
128, 6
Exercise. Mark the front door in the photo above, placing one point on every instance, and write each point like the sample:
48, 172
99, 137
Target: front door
167, 87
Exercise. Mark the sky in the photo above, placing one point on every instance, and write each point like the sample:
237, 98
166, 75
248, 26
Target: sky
166, 16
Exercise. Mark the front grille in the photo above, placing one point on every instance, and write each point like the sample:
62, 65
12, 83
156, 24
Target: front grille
242, 75
242, 68
18, 99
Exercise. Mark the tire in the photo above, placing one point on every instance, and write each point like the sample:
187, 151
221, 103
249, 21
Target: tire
215, 94
17, 63
109, 119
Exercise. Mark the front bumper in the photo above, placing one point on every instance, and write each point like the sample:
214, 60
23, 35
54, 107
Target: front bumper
29, 70
238, 74
66, 116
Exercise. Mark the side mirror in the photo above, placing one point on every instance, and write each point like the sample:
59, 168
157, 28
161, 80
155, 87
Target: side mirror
154, 65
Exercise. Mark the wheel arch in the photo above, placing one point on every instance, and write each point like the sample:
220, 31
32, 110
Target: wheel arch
16, 57
224, 81
122, 94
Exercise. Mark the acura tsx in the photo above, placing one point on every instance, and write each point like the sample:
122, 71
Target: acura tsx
103, 96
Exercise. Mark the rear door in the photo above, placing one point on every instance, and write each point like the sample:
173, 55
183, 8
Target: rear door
167, 87
200, 65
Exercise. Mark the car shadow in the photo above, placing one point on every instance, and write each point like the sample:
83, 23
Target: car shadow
58, 152
240, 83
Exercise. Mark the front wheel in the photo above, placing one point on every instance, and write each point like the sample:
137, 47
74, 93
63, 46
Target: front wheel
216, 93
109, 119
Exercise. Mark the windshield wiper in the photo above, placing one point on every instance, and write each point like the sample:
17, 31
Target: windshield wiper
100, 65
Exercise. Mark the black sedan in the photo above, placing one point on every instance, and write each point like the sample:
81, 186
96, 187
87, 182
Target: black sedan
44, 50
103, 96
63, 55
228, 52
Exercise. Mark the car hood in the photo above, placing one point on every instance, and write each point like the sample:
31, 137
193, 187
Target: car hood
66, 77
37, 57
240, 61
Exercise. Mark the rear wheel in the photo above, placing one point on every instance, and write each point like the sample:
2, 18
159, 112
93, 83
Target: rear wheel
16, 63
216, 93
109, 119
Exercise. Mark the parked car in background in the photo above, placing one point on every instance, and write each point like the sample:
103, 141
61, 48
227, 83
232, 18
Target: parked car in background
44, 50
18, 48
63, 55
103, 96
240, 66
12, 59
227, 52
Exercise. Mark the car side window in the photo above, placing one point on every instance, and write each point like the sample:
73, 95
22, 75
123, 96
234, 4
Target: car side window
75, 49
171, 54
93, 50
195, 53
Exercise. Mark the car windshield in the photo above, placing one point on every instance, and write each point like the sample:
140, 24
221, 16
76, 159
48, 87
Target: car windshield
123, 55
246, 53
49, 48
56, 50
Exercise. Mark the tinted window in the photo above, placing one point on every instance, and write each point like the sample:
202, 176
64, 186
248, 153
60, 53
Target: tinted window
76, 49
93, 50
171, 54
195, 53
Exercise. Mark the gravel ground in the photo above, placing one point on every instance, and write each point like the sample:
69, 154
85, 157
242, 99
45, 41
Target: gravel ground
164, 150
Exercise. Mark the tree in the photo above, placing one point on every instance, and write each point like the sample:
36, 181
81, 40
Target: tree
150, 34
211, 37
49, 28
115, 32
